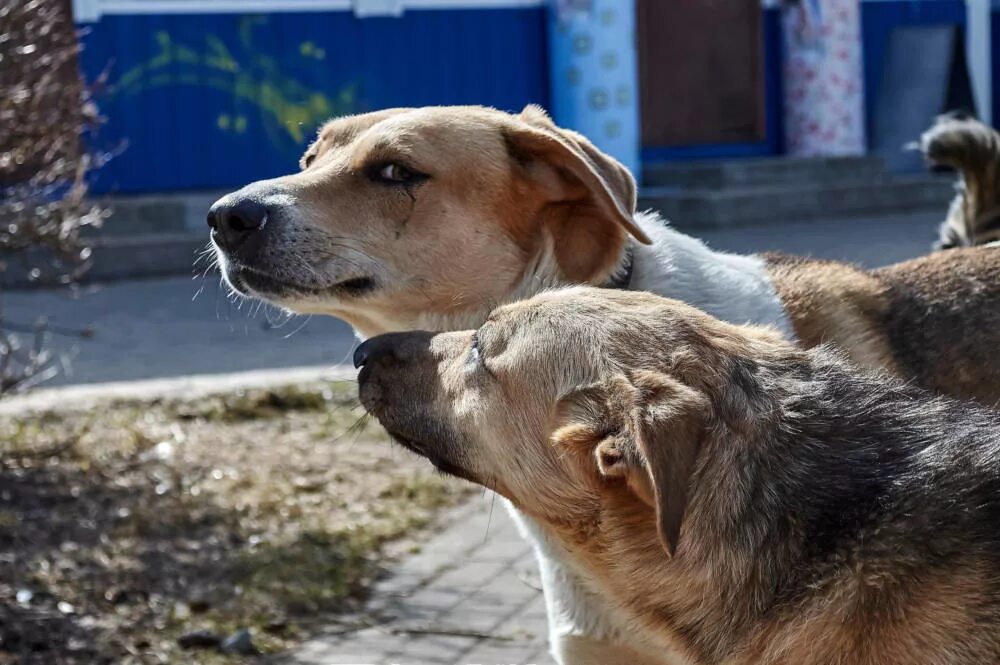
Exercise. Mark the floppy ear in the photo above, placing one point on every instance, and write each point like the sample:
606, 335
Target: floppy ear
590, 414
647, 431
591, 422
596, 192
669, 424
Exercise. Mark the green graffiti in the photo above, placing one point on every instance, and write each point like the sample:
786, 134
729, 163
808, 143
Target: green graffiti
287, 107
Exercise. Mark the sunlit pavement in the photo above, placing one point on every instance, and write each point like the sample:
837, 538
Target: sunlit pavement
173, 327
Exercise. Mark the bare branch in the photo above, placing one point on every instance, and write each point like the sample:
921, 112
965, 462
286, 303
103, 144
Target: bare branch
47, 113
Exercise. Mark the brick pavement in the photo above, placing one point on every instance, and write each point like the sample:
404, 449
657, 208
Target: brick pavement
469, 597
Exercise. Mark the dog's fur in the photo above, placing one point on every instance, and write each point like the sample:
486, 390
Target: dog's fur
500, 207
737, 499
972, 148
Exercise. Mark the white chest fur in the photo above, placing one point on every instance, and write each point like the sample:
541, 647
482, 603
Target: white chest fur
732, 287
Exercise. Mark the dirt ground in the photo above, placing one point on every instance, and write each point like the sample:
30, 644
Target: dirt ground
134, 532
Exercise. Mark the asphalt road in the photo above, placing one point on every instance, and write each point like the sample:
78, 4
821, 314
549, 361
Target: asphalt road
180, 326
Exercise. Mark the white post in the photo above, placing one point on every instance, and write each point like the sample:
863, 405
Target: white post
86, 11
594, 74
978, 52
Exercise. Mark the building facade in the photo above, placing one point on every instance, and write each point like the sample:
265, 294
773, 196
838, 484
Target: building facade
210, 94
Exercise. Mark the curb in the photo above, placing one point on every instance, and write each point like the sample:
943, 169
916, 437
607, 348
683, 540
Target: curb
85, 396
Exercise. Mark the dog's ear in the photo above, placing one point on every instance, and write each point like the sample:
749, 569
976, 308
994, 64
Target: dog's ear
594, 193
588, 416
646, 430
668, 427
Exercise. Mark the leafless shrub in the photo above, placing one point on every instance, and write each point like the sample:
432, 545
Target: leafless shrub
45, 112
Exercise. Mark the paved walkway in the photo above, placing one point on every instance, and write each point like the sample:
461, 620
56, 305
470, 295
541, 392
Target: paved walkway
470, 596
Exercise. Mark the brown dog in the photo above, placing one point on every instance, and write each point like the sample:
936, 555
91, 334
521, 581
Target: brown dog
737, 499
428, 218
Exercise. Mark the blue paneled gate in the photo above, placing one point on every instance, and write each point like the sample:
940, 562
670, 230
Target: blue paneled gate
214, 94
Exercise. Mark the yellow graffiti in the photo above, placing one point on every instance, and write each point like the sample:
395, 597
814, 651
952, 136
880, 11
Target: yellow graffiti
310, 50
287, 107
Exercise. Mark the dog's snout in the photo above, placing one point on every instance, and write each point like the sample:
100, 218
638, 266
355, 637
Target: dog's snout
381, 349
234, 220
392, 349
361, 355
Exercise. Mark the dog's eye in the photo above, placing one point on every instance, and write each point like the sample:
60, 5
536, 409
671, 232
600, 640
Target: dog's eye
395, 173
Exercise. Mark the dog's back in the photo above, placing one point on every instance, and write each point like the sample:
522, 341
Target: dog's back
944, 321
934, 319
883, 503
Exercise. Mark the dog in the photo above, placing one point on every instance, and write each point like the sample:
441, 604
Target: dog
961, 142
736, 498
428, 218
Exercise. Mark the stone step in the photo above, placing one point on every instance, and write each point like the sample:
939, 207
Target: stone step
732, 207
116, 257
156, 213
772, 171
148, 255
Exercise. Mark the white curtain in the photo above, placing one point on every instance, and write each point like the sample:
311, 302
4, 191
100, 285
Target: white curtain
824, 79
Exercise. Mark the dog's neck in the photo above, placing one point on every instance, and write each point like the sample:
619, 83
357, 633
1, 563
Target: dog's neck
621, 276
732, 287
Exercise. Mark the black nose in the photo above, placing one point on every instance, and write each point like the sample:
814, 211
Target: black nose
234, 220
401, 347
382, 347
361, 355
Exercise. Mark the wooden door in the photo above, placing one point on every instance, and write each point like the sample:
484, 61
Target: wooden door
701, 71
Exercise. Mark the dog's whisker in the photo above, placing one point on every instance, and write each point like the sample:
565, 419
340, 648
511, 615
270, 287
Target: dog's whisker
489, 520
302, 325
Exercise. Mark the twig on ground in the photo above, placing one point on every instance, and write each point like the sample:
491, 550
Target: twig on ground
449, 632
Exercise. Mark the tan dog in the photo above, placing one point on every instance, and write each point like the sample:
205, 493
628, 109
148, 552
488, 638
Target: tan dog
428, 218
736, 499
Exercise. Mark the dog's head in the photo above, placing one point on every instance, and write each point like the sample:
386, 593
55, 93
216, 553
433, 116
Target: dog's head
972, 148
427, 217
585, 407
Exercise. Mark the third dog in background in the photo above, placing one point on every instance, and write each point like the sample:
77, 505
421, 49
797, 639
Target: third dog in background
972, 148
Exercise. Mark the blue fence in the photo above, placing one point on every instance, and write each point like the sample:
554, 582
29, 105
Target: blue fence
218, 100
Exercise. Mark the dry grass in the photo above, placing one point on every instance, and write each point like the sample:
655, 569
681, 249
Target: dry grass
125, 527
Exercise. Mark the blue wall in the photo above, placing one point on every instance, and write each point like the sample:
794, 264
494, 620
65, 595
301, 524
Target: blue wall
215, 101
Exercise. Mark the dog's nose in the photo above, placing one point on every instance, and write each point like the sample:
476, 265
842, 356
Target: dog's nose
361, 355
382, 347
234, 220
394, 347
